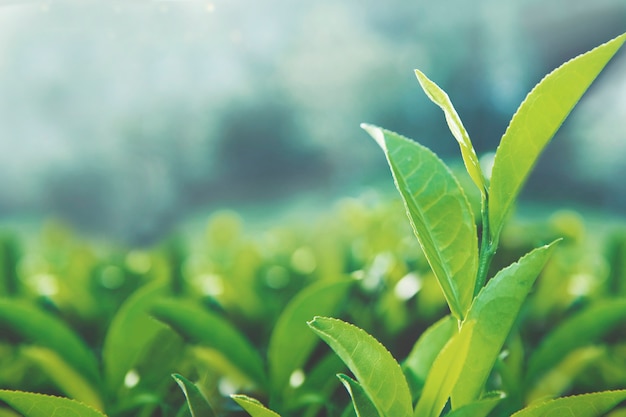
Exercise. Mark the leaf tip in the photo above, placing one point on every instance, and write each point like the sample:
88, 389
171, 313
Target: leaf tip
376, 133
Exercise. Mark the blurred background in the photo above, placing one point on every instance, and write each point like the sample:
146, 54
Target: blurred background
127, 118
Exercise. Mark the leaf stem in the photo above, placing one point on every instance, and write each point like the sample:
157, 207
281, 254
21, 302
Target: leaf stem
487, 248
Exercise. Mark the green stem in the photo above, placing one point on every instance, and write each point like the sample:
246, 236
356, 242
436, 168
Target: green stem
487, 249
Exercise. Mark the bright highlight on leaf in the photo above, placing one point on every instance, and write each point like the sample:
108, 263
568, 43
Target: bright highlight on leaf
535, 123
440, 98
439, 213
253, 406
596, 404
375, 369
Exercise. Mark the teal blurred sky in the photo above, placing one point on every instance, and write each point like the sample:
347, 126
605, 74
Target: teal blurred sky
124, 117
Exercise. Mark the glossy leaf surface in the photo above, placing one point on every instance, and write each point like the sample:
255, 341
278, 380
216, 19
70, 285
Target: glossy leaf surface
439, 213
494, 311
596, 404
198, 404
363, 406
440, 98
375, 369
253, 407
38, 405
480, 408
444, 374
535, 123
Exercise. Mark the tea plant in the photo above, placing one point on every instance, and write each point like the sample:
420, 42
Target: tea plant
171, 333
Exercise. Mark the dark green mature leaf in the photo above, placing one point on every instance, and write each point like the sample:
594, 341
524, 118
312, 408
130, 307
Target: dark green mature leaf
64, 376
480, 408
363, 406
424, 352
444, 374
439, 213
376, 370
44, 329
440, 98
198, 404
199, 325
494, 311
131, 331
292, 342
253, 407
38, 405
535, 123
583, 328
587, 405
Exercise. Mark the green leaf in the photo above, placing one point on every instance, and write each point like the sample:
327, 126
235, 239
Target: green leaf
587, 405
363, 405
426, 349
198, 404
444, 373
535, 123
440, 98
39, 405
494, 311
292, 342
71, 383
131, 332
376, 370
253, 407
439, 212
583, 328
44, 329
199, 325
480, 408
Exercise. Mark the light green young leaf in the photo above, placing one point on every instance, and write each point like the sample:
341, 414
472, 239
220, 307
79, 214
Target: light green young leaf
44, 329
439, 213
71, 383
440, 98
596, 404
198, 404
292, 342
253, 407
583, 328
424, 352
131, 331
363, 406
444, 373
38, 405
535, 123
198, 325
376, 370
494, 311
479, 408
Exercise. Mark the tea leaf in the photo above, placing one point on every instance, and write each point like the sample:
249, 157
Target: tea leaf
64, 376
363, 406
39, 405
535, 123
479, 408
583, 328
198, 404
292, 342
253, 407
587, 405
44, 329
199, 325
440, 98
494, 311
376, 370
444, 374
129, 333
439, 213
426, 349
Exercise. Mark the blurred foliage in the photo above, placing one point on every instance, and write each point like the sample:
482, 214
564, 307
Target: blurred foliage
107, 299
